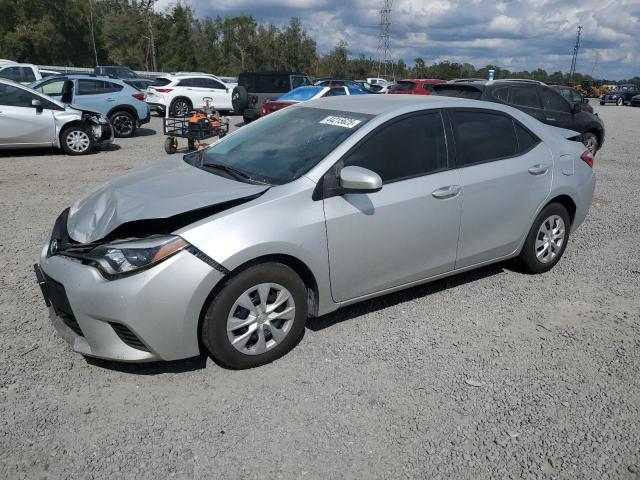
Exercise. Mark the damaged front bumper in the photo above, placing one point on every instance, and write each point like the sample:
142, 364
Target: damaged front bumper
152, 315
102, 130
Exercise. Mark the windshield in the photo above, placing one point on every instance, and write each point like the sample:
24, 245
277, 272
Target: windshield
284, 146
300, 94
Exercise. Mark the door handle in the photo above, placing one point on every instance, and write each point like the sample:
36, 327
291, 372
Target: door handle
446, 192
550, 119
539, 169
111, 99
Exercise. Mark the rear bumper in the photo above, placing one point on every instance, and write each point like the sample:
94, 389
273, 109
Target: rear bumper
157, 106
150, 316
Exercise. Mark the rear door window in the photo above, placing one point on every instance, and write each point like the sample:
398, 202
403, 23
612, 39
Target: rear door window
552, 100
90, 87
403, 87
409, 147
299, 81
502, 94
482, 136
211, 83
112, 87
27, 74
525, 96
188, 82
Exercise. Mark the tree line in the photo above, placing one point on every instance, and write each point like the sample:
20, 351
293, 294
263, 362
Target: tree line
83, 33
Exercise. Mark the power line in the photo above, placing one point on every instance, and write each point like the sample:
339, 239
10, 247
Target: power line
576, 47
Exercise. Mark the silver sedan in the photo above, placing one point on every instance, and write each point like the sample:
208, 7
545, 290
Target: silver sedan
230, 249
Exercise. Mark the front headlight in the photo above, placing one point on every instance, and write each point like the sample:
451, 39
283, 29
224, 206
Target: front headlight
124, 258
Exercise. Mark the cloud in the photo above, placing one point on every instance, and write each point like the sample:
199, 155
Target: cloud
518, 34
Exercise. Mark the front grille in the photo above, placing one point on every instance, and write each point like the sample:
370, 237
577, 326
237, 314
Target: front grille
60, 302
128, 337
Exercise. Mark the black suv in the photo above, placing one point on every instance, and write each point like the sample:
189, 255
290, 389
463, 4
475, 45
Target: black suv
126, 75
535, 98
255, 88
622, 95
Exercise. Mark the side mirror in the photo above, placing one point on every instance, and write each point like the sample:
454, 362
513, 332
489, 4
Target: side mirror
576, 108
359, 180
37, 104
585, 100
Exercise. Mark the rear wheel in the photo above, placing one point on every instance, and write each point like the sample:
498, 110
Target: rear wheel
257, 317
620, 102
547, 239
601, 103
590, 141
246, 119
76, 140
171, 145
123, 123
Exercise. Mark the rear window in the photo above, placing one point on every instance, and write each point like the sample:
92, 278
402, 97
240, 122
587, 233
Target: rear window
161, 82
459, 91
403, 87
265, 83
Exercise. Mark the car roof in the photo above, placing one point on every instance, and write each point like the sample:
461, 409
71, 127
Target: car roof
272, 73
385, 104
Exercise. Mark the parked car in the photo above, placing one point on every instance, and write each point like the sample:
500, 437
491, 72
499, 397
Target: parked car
126, 74
318, 206
305, 94
535, 98
635, 101
183, 93
573, 96
622, 95
24, 73
29, 119
255, 88
414, 86
380, 88
121, 103
339, 82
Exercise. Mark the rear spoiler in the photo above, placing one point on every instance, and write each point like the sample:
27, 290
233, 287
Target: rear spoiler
565, 133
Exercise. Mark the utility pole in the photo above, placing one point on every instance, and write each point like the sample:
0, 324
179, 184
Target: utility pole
384, 36
576, 47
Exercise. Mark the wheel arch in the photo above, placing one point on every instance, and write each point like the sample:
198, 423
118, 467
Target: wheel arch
71, 123
567, 202
297, 265
126, 108
179, 97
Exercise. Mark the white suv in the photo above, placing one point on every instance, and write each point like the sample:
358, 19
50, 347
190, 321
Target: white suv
179, 94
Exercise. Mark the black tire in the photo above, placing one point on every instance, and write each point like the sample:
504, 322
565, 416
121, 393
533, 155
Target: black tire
76, 140
161, 112
214, 324
246, 120
170, 145
528, 259
191, 144
180, 107
620, 102
239, 99
590, 141
123, 124
601, 103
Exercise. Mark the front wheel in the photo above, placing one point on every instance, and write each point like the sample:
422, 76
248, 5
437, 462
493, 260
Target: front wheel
547, 239
257, 317
76, 140
620, 102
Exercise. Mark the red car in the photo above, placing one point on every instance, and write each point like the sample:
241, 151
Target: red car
414, 86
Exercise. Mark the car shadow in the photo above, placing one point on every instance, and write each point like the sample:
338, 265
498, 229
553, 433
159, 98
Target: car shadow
145, 132
151, 368
347, 313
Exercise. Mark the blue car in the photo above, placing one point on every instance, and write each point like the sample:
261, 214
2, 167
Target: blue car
121, 103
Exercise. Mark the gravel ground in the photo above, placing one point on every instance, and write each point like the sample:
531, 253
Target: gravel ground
490, 374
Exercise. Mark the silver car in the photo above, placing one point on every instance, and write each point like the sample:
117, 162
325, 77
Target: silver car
317, 206
30, 119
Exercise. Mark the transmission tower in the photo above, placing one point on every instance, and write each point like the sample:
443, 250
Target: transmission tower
576, 47
384, 36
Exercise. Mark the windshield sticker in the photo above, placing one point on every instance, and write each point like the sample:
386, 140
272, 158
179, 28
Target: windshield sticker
343, 122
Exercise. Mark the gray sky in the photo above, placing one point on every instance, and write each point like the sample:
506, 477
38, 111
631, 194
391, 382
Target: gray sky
515, 34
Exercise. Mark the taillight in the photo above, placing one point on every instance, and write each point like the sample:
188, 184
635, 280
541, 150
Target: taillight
138, 96
587, 157
164, 90
265, 109
254, 99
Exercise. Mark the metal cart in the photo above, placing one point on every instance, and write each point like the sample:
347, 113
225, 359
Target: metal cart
194, 132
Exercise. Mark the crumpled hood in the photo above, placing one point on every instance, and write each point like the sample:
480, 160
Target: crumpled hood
161, 189
75, 106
